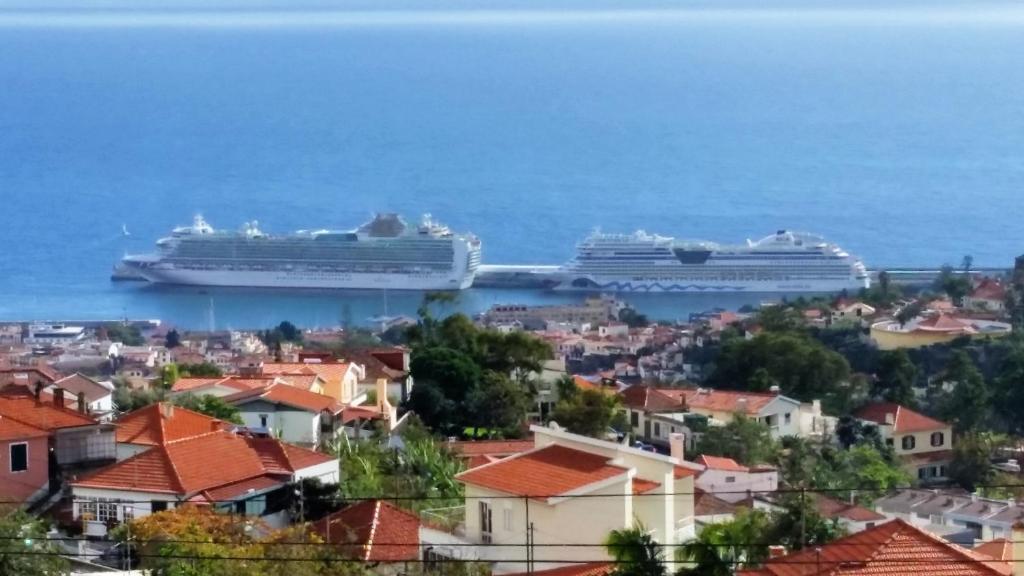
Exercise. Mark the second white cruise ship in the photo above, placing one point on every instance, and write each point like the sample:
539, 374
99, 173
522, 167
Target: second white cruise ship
384, 253
783, 262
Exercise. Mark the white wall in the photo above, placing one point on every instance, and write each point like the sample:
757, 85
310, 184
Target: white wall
716, 482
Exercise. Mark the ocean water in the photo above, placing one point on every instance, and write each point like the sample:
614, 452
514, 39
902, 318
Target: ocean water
896, 132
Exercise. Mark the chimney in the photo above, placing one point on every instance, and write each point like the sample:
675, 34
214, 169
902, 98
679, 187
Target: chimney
382, 393
167, 410
776, 552
1017, 554
774, 389
38, 390
677, 445
58, 397
890, 418
82, 406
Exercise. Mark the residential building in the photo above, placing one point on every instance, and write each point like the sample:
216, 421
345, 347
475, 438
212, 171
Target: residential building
924, 445
854, 312
728, 480
374, 531
40, 440
28, 377
340, 379
965, 518
220, 386
389, 364
479, 452
292, 414
654, 414
892, 549
571, 484
935, 328
224, 470
851, 517
988, 296
54, 334
98, 397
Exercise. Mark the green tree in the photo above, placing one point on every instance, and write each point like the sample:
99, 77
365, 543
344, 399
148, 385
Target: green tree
200, 370
127, 334
172, 340
636, 553
972, 459
588, 412
1008, 388
724, 547
909, 312
797, 524
127, 399
802, 367
743, 439
779, 318
169, 374
895, 377
956, 286
632, 318
427, 400
498, 405
24, 548
211, 406
967, 405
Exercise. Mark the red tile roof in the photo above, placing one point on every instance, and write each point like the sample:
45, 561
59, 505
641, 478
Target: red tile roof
42, 414
163, 422
329, 372
280, 393
587, 569
1001, 549
641, 486
373, 531
203, 464
648, 399
726, 400
943, 323
705, 504
905, 419
467, 448
13, 430
234, 382
989, 289
719, 463
895, 548
831, 508
549, 471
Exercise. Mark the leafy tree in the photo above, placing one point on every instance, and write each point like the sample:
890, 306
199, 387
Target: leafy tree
127, 399
169, 374
127, 334
427, 400
1008, 388
24, 548
724, 547
454, 372
972, 459
895, 377
211, 406
852, 431
743, 439
802, 367
846, 397
779, 318
798, 524
635, 552
172, 340
967, 405
632, 318
200, 370
956, 286
499, 404
588, 412
909, 312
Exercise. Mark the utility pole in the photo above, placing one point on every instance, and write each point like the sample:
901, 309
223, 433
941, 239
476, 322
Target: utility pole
803, 518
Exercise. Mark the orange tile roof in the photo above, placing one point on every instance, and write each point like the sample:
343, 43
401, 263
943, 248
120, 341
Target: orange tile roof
724, 400
468, 448
832, 508
280, 393
203, 464
303, 381
905, 419
373, 531
13, 430
548, 471
895, 548
943, 323
163, 422
329, 372
42, 414
1001, 549
641, 486
683, 472
651, 399
989, 289
234, 382
719, 463
705, 504
587, 569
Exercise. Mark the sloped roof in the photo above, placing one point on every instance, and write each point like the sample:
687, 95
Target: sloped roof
649, 399
1000, 549
895, 548
162, 422
42, 414
329, 372
719, 463
905, 419
373, 531
989, 289
548, 471
726, 400
831, 508
705, 504
202, 464
280, 393
942, 323
13, 430
78, 383
500, 448
235, 382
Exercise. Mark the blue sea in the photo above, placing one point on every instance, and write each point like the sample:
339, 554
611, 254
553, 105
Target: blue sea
895, 129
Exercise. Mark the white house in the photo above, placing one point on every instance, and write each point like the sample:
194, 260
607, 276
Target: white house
292, 414
572, 488
727, 479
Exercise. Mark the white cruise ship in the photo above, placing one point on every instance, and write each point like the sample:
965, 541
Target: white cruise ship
383, 253
783, 262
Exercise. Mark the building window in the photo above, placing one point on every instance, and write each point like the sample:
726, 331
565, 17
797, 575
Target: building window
263, 420
19, 456
922, 473
938, 438
506, 519
127, 513
634, 419
485, 522
657, 429
909, 442
789, 417
869, 525
157, 506
730, 479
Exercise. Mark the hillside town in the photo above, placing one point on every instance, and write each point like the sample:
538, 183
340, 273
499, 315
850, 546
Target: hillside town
840, 435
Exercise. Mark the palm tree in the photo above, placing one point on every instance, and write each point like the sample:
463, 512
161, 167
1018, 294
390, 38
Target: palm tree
721, 548
635, 552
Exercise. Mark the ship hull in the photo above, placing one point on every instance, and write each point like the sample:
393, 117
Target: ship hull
301, 279
625, 285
